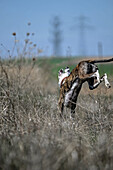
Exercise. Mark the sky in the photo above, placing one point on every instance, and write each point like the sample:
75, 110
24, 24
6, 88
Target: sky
93, 39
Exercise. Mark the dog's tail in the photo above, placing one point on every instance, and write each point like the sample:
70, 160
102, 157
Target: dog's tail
102, 61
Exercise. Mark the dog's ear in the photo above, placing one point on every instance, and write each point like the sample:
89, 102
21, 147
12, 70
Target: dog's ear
60, 72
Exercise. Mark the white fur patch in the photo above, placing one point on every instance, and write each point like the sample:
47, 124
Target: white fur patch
107, 84
97, 75
62, 76
69, 94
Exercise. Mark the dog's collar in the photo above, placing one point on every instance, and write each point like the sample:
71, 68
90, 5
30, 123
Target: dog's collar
62, 81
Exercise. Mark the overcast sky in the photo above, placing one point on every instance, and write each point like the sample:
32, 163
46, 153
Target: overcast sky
98, 25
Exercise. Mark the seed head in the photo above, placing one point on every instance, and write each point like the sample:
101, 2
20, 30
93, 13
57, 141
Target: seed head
14, 33
33, 58
27, 33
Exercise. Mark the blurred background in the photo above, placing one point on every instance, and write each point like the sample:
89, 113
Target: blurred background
58, 28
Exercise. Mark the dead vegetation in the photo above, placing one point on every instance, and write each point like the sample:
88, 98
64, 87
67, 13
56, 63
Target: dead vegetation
32, 134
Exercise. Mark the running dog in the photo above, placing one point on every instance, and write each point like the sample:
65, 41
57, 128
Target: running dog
70, 86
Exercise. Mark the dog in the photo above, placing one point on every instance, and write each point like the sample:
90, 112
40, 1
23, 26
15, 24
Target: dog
70, 86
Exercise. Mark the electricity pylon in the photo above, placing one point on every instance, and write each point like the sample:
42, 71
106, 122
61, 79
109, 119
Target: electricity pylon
82, 25
57, 36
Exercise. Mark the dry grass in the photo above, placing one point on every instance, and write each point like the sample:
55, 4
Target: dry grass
32, 134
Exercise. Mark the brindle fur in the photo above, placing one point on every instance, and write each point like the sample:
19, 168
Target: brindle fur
83, 72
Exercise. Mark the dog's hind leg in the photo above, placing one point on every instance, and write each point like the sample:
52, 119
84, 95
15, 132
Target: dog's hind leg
93, 85
107, 84
91, 81
103, 78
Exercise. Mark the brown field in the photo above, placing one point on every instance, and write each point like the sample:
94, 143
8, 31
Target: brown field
34, 137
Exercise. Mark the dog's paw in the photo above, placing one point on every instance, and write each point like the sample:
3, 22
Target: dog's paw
107, 84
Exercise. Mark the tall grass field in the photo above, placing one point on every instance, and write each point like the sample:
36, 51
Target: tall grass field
33, 136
